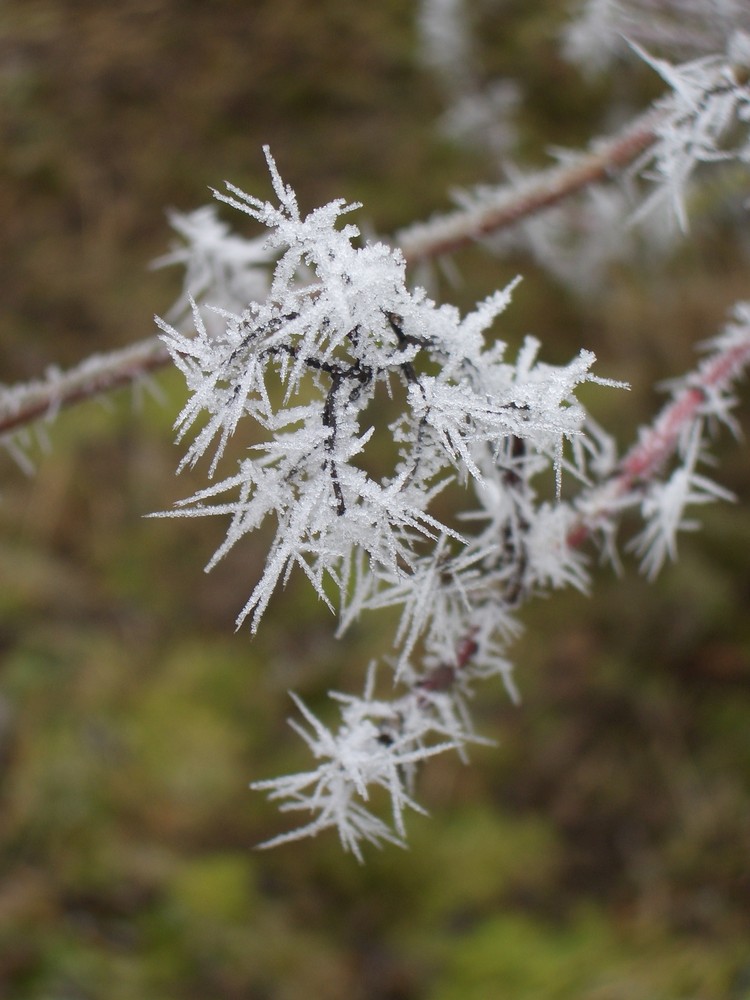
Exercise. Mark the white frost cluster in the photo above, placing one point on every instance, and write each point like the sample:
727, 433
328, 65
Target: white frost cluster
377, 745
681, 29
339, 360
364, 400
663, 509
579, 240
305, 366
219, 266
706, 119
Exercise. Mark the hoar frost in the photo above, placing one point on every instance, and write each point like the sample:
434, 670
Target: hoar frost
315, 342
339, 356
340, 321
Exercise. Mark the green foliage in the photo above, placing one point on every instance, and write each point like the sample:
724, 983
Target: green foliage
585, 957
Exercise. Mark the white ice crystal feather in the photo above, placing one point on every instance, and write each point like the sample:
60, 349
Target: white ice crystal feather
366, 751
663, 508
219, 266
705, 120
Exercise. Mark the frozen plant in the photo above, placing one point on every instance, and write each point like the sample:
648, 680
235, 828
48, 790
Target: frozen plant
343, 354
706, 120
364, 400
351, 330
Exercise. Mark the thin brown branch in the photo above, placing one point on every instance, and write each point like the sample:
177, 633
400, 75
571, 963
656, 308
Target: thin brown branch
512, 203
41, 399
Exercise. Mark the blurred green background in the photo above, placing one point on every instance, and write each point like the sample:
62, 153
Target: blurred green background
601, 851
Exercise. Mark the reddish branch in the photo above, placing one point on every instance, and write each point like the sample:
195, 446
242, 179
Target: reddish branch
657, 442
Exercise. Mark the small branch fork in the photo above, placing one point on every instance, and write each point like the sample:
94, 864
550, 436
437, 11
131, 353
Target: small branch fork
352, 377
25, 403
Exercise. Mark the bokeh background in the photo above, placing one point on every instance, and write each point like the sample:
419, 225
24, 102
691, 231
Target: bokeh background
601, 851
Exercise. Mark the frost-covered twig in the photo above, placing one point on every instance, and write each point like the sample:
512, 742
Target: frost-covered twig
701, 399
702, 119
509, 204
705, 120
42, 399
708, 101
377, 745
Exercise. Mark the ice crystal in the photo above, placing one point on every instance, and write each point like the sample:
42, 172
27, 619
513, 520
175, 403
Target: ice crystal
338, 322
663, 509
675, 28
706, 119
